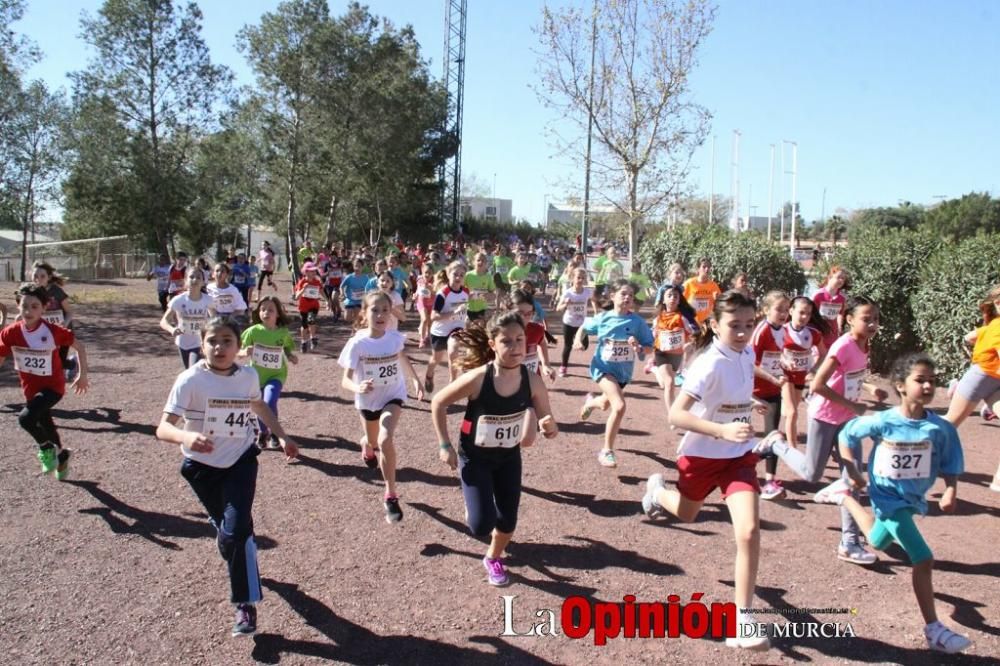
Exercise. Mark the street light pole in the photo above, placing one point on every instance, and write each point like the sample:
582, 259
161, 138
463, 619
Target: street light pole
770, 195
795, 206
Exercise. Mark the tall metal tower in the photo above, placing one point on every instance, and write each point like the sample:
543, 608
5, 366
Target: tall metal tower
450, 175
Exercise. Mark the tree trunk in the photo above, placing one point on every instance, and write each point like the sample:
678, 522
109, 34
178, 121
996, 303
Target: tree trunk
634, 216
27, 226
331, 220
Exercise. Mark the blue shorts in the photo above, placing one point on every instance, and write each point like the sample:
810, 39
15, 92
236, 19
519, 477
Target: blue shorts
901, 529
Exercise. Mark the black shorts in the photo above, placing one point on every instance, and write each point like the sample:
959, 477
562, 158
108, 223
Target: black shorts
309, 317
440, 342
376, 414
621, 385
663, 358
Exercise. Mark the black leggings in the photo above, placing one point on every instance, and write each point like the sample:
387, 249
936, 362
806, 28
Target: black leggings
36, 417
492, 489
569, 333
260, 280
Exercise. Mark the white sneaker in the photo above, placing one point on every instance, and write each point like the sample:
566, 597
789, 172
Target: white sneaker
942, 639
753, 643
833, 493
764, 444
855, 553
650, 506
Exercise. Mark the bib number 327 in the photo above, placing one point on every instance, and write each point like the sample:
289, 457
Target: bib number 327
903, 460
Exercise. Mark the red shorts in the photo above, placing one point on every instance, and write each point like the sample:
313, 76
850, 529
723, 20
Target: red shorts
698, 477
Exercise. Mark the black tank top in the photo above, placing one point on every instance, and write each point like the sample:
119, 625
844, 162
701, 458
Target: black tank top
488, 410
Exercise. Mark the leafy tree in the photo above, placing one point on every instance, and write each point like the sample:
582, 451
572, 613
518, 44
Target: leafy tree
645, 125
955, 219
905, 216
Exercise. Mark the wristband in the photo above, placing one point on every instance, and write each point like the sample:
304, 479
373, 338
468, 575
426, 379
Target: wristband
445, 446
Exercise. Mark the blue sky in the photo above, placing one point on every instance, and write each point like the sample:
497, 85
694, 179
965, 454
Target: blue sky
890, 100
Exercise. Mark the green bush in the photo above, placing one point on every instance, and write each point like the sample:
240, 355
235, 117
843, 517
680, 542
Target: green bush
767, 265
885, 265
945, 304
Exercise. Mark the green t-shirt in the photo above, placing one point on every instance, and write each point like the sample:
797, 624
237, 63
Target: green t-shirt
518, 273
608, 271
502, 265
258, 334
642, 283
303, 253
478, 286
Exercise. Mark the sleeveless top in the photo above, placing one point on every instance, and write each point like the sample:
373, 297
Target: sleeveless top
493, 424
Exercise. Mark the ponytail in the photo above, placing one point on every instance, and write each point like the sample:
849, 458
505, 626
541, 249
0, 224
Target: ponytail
475, 340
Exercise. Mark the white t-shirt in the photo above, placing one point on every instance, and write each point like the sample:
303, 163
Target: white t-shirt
218, 406
446, 303
397, 302
721, 381
191, 315
576, 306
376, 359
227, 301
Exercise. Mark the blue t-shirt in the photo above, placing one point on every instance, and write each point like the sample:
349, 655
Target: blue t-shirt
613, 355
539, 316
241, 275
354, 287
401, 278
907, 457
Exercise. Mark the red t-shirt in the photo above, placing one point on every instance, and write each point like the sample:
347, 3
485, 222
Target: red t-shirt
306, 304
36, 355
534, 335
768, 343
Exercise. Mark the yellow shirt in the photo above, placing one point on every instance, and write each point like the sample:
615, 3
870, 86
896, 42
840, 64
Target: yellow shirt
986, 353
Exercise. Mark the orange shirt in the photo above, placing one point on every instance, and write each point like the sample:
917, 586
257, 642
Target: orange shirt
986, 353
669, 333
701, 296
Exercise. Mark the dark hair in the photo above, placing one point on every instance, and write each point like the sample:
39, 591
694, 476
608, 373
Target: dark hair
223, 266
347, 266
392, 278
855, 302
903, 366
816, 320
475, 340
519, 296
222, 321
619, 283
729, 302
282, 319
54, 277
361, 321
987, 305
703, 261
32, 289
682, 305
528, 287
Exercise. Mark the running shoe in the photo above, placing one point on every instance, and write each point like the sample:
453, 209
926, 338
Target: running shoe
650, 506
304, 347
587, 409
313, 344
833, 493
942, 639
855, 553
496, 574
754, 643
772, 490
607, 458
273, 443
679, 379
987, 414
368, 454
393, 514
562, 371
648, 368
62, 470
246, 620
764, 444
428, 385
47, 457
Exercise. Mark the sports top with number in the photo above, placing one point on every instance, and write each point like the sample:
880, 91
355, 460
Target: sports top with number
479, 287
54, 306
445, 303
227, 301
576, 306
241, 275
613, 355
36, 355
353, 289
376, 359
502, 266
669, 333
270, 346
266, 260
519, 273
333, 272
400, 278
830, 307
312, 291
608, 271
721, 382
162, 275
907, 457
986, 352
767, 342
796, 352
497, 415
847, 380
701, 296
191, 316
177, 278
534, 335
219, 407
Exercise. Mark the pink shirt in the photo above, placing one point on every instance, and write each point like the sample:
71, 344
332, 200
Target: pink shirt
833, 308
847, 378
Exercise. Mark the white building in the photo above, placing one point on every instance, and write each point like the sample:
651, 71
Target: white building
487, 208
572, 213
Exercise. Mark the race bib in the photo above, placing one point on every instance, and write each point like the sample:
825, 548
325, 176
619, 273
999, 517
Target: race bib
671, 340
54, 317
33, 361
829, 310
311, 291
239, 278
191, 326
770, 361
267, 357
701, 304
499, 431
382, 370
477, 295
335, 274
162, 282
796, 360
531, 363
175, 286
224, 302
852, 384
902, 460
228, 417
729, 413
357, 294
617, 351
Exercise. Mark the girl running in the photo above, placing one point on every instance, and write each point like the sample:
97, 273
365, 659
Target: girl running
911, 447
268, 343
572, 303
353, 288
701, 290
387, 285
332, 278
536, 354
253, 272
268, 264
217, 400
371, 360
308, 291
836, 390
803, 333
479, 282
670, 338
447, 316
57, 309
768, 342
830, 300
714, 408
504, 401
226, 299
161, 271
185, 315
35, 344
621, 337
424, 298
